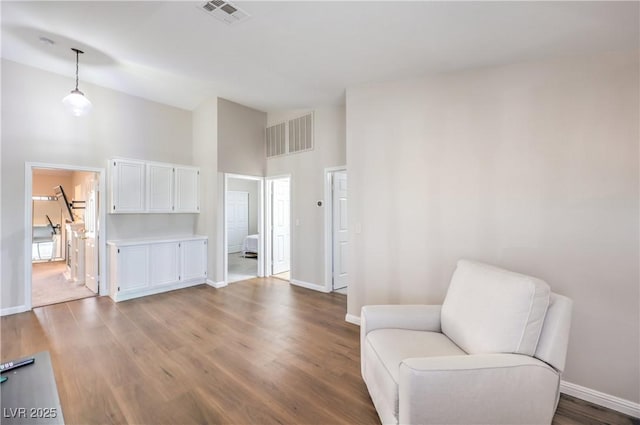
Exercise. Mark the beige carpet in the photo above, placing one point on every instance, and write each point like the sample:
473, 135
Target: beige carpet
49, 286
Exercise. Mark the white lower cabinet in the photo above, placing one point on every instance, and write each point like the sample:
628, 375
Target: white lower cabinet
165, 263
131, 270
194, 259
145, 267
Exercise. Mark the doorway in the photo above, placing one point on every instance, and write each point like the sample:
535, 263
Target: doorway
63, 233
336, 230
279, 219
243, 223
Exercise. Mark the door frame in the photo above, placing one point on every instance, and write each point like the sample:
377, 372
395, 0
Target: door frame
28, 213
225, 248
328, 226
268, 260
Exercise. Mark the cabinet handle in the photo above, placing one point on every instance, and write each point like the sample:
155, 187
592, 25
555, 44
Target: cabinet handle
118, 250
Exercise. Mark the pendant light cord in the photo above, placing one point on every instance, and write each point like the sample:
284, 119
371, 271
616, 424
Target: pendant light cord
77, 56
77, 59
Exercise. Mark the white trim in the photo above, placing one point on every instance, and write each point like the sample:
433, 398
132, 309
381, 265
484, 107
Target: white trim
14, 310
216, 285
328, 225
243, 176
353, 319
314, 286
583, 393
102, 233
601, 399
153, 290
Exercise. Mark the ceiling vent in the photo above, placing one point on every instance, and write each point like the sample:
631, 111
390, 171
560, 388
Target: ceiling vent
224, 11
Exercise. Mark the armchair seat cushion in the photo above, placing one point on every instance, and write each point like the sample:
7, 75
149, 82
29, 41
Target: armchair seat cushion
385, 349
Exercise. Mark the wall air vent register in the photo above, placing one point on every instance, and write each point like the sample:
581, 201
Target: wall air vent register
224, 11
292, 136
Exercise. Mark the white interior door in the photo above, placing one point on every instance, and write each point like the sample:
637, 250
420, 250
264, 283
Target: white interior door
237, 219
340, 230
281, 241
91, 269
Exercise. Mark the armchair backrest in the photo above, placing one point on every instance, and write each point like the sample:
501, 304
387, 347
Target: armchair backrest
492, 310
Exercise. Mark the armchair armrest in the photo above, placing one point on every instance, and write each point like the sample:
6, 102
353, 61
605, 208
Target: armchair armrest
412, 317
480, 388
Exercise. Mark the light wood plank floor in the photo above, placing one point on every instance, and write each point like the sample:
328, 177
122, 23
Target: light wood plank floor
256, 352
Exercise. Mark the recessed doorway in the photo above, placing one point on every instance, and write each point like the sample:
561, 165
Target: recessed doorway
243, 223
63, 233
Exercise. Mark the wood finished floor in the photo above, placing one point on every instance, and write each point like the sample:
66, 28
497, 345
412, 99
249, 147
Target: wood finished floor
256, 352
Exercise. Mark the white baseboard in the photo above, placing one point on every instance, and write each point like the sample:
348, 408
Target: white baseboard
353, 319
601, 399
216, 285
314, 286
596, 397
13, 310
119, 296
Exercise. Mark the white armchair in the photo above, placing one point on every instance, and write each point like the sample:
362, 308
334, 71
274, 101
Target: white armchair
493, 353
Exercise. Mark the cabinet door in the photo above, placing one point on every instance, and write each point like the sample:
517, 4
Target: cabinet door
127, 186
159, 188
194, 259
164, 260
187, 189
133, 267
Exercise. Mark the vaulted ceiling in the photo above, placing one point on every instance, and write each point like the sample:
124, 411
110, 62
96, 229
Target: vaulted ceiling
298, 54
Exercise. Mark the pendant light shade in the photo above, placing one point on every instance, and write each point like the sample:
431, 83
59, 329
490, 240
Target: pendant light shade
76, 102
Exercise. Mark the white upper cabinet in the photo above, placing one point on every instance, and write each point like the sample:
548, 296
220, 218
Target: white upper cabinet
160, 191
187, 184
153, 187
127, 186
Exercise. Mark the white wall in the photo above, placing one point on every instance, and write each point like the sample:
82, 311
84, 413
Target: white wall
241, 145
307, 187
251, 187
36, 128
205, 155
533, 167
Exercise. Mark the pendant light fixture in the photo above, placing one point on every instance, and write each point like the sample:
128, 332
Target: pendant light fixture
76, 102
